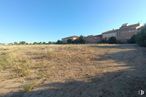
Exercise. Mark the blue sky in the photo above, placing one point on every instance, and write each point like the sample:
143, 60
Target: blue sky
50, 20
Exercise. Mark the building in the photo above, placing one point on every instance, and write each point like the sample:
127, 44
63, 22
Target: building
124, 33
64, 40
93, 39
108, 34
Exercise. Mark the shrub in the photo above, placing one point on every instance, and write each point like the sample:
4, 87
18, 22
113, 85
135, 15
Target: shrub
59, 42
103, 41
141, 37
69, 41
28, 87
112, 40
22, 42
132, 39
81, 40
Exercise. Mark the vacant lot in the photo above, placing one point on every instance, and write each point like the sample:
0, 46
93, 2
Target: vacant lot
72, 71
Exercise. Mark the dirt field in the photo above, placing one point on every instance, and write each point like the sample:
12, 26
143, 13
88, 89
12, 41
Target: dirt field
100, 70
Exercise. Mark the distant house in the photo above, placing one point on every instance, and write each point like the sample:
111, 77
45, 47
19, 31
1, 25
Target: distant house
108, 34
124, 33
93, 39
64, 40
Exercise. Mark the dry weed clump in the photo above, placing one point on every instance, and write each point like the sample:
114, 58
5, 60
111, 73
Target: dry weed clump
28, 87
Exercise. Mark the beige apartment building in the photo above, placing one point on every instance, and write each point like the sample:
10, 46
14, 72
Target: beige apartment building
124, 33
127, 31
108, 34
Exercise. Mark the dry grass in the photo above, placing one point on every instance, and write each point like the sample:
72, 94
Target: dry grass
56, 63
43, 61
53, 63
28, 87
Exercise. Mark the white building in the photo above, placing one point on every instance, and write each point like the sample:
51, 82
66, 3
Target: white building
108, 34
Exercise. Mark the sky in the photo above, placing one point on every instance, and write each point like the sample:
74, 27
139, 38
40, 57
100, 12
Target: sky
50, 20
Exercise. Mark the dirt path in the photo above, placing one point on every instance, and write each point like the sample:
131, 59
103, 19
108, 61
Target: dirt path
121, 73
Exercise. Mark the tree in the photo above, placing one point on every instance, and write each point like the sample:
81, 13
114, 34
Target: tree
49, 42
112, 40
44, 43
40, 43
81, 40
34, 43
141, 37
103, 41
22, 42
59, 42
69, 41
15, 43
132, 39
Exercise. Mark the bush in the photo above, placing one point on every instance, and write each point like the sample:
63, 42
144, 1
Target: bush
103, 41
59, 42
22, 43
81, 40
69, 41
112, 40
28, 87
141, 37
132, 39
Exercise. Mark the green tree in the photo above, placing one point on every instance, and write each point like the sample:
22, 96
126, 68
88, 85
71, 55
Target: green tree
112, 40
132, 39
15, 43
22, 42
40, 43
49, 42
81, 40
69, 41
59, 42
141, 37
34, 43
44, 43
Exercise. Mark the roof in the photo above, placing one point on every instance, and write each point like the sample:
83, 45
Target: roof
70, 37
111, 31
98, 35
122, 27
93, 36
133, 25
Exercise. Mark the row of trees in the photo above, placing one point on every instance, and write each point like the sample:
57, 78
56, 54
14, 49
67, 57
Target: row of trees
111, 40
34, 43
140, 39
80, 40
